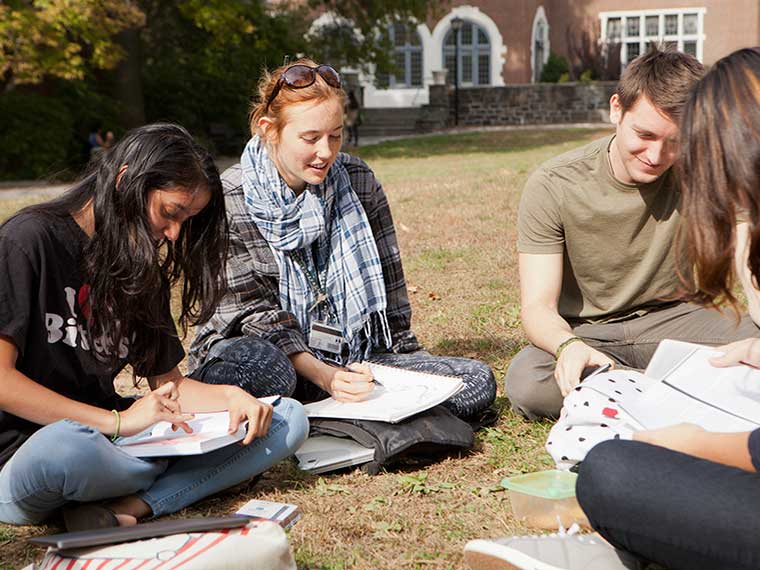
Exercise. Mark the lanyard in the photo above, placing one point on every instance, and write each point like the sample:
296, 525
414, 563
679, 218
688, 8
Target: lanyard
320, 293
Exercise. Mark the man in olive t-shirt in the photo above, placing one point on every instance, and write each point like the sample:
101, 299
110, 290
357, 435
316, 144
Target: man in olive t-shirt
597, 229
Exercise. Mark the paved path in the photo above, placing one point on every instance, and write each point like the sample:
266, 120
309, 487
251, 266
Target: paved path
25, 189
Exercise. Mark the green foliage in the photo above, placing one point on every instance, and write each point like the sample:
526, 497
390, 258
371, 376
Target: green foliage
37, 133
326, 489
202, 61
554, 68
412, 484
194, 62
586, 77
46, 134
61, 38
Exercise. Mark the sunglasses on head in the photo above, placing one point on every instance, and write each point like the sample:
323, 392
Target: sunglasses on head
299, 76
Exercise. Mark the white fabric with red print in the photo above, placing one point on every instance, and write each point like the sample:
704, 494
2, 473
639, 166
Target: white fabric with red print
593, 412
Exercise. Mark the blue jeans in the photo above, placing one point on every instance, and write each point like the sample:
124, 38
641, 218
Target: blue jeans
673, 509
262, 369
67, 461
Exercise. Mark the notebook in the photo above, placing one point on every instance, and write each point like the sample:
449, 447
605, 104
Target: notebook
402, 393
209, 432
322, 453
689, 389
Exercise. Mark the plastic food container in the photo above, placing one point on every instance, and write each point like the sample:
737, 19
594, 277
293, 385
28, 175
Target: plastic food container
539, 498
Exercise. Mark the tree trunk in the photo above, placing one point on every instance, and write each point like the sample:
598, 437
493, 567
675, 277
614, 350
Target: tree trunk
127, 84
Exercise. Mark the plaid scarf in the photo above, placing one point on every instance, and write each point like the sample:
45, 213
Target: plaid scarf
346, 261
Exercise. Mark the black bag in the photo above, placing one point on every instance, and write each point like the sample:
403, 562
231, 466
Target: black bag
426, 436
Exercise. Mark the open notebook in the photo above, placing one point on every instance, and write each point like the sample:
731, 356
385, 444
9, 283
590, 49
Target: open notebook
402, 393
690, 389
209, 432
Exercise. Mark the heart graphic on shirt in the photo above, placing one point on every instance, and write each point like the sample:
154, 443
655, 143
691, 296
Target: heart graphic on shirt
83, 300
609, 412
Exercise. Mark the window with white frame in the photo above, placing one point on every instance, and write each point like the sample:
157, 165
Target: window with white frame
407, 57
679, 28
540, 47
474, 55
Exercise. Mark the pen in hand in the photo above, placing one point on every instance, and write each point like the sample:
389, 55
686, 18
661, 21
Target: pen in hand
347, 369
598, 370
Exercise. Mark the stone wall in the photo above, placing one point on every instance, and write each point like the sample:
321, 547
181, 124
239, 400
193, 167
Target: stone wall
543, 103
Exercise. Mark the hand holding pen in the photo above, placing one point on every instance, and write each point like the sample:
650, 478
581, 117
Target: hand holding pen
352, 383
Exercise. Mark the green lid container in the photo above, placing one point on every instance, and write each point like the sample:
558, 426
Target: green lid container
551, 484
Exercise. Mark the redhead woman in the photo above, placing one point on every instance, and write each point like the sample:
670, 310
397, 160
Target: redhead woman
315, 283
85, 284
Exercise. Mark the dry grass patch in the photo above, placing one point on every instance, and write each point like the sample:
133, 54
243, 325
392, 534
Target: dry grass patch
454, 201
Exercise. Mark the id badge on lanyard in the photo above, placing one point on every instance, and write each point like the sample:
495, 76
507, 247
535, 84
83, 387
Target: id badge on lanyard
322, 335
325, 337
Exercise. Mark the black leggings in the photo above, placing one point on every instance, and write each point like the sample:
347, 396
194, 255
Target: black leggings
262, 369
677, 510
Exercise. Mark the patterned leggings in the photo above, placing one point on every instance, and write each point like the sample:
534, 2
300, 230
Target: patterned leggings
262, 369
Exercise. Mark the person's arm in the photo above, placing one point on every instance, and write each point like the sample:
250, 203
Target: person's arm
193, 396
540, 286
352, 384
25, 398
726, 448
749, 284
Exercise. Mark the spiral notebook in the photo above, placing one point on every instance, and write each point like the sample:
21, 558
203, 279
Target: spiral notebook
402, 393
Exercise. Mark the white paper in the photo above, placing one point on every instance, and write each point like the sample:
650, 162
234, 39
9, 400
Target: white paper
694, 391
403, 393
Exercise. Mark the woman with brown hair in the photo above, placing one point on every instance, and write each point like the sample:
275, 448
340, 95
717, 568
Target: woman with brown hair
680, 496
315, 281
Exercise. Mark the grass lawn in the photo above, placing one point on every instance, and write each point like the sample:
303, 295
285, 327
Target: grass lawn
454, 201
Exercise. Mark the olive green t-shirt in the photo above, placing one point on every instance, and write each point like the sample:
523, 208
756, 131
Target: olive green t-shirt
617, 239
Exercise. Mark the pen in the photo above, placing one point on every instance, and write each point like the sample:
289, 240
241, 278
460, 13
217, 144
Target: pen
342, 367
599, 370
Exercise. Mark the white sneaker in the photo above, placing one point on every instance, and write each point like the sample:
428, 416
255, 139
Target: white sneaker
559, 551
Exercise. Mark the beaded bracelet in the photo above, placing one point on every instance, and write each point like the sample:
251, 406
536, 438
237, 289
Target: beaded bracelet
115, 436
564, 344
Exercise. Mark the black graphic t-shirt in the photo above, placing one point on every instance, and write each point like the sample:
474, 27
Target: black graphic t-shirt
41, 298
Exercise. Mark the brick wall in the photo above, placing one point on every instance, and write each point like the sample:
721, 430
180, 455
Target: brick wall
547, 103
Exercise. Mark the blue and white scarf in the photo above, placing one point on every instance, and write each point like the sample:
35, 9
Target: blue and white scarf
354, 281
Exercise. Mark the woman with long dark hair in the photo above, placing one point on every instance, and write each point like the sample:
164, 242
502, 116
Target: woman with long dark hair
680, 496
85, 288
316, 284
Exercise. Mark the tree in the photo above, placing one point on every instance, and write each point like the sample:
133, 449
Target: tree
61, 38
358, 33
202, 60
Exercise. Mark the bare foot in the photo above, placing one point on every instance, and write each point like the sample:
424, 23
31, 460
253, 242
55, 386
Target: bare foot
126, 520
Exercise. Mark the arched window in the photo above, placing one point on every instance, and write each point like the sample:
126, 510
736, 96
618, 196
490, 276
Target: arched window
407, 57
540, 47
474, 55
